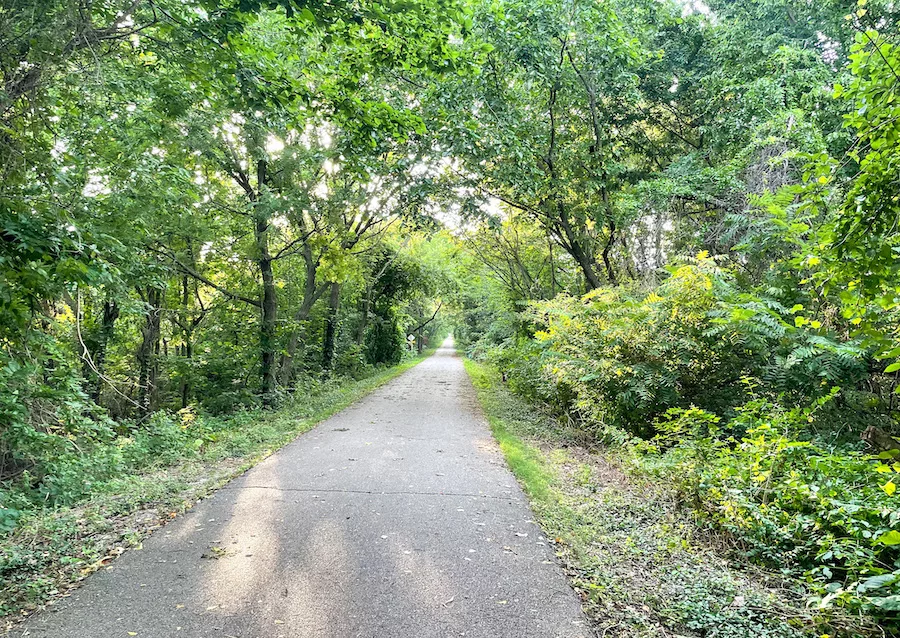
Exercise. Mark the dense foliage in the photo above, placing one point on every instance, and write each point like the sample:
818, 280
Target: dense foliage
696, 261
204, 207
674, 222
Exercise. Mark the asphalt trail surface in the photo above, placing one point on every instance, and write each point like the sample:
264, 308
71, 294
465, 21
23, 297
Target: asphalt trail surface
396, 518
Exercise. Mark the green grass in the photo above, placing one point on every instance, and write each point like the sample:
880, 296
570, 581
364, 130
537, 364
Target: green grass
524, 461
52, 550
642, 566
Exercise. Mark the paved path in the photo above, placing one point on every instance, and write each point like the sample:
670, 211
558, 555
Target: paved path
396, 518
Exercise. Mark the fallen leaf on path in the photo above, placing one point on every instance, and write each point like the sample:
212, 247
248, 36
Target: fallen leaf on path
214, 552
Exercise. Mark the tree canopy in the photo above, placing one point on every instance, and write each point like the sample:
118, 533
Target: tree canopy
665, 219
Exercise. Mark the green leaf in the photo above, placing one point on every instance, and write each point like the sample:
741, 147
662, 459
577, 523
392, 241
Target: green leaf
889, 538
888, 603
877, 582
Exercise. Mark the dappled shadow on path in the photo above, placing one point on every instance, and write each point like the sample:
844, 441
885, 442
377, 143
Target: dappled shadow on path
391, 519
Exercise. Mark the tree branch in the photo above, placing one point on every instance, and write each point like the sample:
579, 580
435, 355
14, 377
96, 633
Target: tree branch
196, 275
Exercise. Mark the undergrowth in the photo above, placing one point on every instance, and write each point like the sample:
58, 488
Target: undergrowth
639, 561
752, 416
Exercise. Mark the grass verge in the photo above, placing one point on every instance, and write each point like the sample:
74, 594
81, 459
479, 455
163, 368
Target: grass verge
640, 564
51, 551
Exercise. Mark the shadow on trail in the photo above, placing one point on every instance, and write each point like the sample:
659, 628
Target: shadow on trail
396, 518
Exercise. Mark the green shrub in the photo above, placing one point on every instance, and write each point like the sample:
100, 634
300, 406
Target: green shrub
384, 343
828, 516
620, 359
351, 362
732, 397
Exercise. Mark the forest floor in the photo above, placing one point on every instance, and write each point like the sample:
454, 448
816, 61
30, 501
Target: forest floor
51, 552
396, 517
641, 565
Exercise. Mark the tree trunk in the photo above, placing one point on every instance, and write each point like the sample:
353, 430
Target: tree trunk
186, 349
269, 306
269, 314
311, 294
879, 439
552, 268
148, 354
587, 264
364, 318
607, 263
573, 242
268, 322
187, 352
334, 301
107, 324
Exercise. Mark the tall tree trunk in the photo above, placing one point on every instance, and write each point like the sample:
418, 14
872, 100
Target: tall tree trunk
105, 333
187, 346
148, 353
269, 305
607, 263
552, 268
311, 294
268, 321
574, 240
334, 301
364, 317
581, 256
187, 351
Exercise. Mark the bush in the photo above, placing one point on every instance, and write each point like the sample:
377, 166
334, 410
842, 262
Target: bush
384, 343
828, 516
351, 362
621, 358
733, 398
